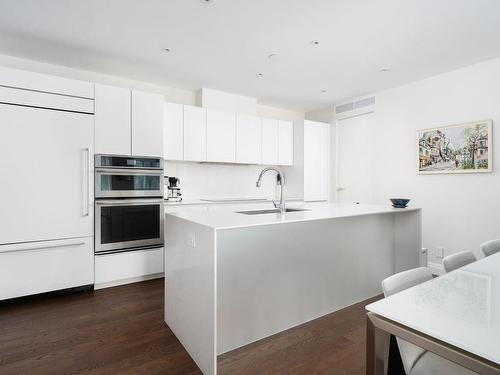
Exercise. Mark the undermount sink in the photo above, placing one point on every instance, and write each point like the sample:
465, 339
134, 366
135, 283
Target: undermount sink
270, 211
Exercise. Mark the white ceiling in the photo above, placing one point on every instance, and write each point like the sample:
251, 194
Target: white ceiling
223, 45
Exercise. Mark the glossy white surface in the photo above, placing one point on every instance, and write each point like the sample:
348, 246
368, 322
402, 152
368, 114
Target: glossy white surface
248, 139
46, 83
224, 217
195, 133
48, 165
316, 161
121, 268
269, 141
147, 124
38, 267
229, 285
461, 308
190, 292
173, 131
112, 120
285, 142
221, 136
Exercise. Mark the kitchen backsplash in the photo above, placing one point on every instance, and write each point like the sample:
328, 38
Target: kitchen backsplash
216, 180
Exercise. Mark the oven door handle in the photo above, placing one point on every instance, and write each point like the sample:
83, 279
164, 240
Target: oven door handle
127, 202
131, 172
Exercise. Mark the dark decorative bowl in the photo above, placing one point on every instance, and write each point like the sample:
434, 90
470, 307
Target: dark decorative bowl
399, 203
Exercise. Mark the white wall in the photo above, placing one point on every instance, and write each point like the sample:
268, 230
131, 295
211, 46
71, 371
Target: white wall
459, 210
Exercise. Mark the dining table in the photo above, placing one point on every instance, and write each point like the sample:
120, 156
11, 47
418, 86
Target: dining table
455, 316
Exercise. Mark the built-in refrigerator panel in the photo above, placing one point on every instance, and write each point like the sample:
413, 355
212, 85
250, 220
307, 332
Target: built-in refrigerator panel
46, 181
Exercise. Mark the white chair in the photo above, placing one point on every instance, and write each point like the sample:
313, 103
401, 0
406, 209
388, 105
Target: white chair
457, 260
418, 361
490, 247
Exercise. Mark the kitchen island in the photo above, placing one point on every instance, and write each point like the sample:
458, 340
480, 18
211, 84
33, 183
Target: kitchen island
233, 278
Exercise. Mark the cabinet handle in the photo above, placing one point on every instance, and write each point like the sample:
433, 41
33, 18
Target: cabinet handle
38, 246
86, 210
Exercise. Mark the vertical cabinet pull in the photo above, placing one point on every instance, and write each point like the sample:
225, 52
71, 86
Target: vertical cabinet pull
86, 208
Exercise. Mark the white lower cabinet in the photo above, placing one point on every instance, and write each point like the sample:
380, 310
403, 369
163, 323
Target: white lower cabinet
38, 267
128, 267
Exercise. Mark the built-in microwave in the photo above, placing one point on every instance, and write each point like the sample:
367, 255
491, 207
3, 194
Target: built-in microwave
126, 176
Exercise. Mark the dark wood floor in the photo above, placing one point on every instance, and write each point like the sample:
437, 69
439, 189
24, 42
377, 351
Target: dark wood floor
121, 331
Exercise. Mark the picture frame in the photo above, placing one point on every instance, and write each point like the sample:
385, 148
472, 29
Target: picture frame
459, 148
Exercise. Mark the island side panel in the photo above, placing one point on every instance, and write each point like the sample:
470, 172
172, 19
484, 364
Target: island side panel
274, 277
190, 293
408, 240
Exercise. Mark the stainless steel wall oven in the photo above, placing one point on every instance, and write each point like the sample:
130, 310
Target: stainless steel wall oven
129, 203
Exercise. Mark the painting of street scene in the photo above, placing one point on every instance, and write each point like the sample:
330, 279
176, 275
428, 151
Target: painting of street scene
464, 148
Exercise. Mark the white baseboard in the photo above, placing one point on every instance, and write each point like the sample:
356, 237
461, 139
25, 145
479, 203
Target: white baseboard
128, 281
436, 268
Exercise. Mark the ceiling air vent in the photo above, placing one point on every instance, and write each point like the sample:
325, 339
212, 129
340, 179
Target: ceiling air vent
355, 108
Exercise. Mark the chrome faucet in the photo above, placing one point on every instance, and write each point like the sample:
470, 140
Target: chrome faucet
280, 181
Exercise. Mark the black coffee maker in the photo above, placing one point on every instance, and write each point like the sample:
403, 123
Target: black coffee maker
174, 191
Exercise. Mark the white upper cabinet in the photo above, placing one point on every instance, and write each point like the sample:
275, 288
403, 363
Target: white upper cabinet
248, 139
112, 120
285, 144
316, 160
221, 136
269, 141
173, 129
147, 124
195, 133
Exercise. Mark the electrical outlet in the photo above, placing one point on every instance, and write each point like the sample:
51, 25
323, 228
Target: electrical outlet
440, 252
191, 240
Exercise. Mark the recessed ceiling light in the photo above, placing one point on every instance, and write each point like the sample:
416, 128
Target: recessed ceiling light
166, 50
206, 1
383, 70
272, 56
323, 91
315, 42
260, 75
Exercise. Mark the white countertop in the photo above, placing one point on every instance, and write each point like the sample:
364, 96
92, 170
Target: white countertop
212, 201
225, 216
461, 308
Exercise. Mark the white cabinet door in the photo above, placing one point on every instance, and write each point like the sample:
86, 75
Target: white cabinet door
173, 129
195, 133
147, 124
38, 267
112, 120
316, 161
248, 139
285, 147
269, 141
46, 164
221, 136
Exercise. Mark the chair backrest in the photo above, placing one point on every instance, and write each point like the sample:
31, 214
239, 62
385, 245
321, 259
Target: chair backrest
490, 247
403, 280
457, 260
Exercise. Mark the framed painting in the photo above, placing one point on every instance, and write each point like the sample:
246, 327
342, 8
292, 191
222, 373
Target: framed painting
462, 148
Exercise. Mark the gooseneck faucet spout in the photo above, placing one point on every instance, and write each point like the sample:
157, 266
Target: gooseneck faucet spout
280, 181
